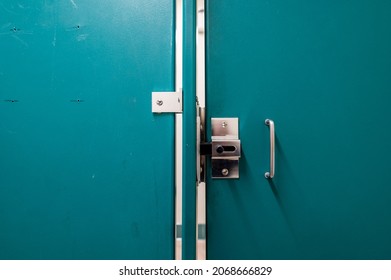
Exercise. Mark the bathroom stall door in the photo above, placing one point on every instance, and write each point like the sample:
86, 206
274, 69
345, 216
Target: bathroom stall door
86, 170
321, 70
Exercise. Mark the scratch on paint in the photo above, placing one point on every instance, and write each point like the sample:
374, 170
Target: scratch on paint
54, 37
82, 37
6, 26
14, 31
20, 40
74, 4
7, 10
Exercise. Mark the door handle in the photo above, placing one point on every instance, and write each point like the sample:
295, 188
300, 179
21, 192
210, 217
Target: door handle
270, 124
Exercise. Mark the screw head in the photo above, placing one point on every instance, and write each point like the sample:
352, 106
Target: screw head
225, 172
159, 102
219, 149
224, 124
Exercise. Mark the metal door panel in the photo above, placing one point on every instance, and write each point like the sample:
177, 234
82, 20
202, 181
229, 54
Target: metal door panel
321, 71
86, 168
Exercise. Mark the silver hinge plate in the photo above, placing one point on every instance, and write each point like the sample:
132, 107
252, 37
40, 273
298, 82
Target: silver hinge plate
167, 102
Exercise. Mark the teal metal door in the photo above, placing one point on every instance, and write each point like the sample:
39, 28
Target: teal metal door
86, 170
321, 71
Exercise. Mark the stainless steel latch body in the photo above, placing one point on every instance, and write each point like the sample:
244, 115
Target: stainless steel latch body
225, 148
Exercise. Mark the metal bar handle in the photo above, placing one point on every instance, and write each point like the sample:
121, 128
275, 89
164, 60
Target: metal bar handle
270, 124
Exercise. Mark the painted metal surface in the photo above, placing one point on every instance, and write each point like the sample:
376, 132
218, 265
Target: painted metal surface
86, 170
321, 70
189, 130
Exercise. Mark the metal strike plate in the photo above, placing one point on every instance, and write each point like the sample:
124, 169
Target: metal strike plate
167, 102
226, 148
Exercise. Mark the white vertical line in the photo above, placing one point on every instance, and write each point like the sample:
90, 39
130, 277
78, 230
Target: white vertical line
178, 126
200, 89
179, 45
201, 53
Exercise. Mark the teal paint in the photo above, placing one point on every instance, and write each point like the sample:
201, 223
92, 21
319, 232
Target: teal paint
321, 70
91, 179
189, 130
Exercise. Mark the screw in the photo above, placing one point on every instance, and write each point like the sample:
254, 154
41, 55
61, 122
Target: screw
219, 149
225, 172
224, 124
159, 102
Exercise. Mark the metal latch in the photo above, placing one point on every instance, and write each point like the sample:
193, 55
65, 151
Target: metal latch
167, 102
225, 148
